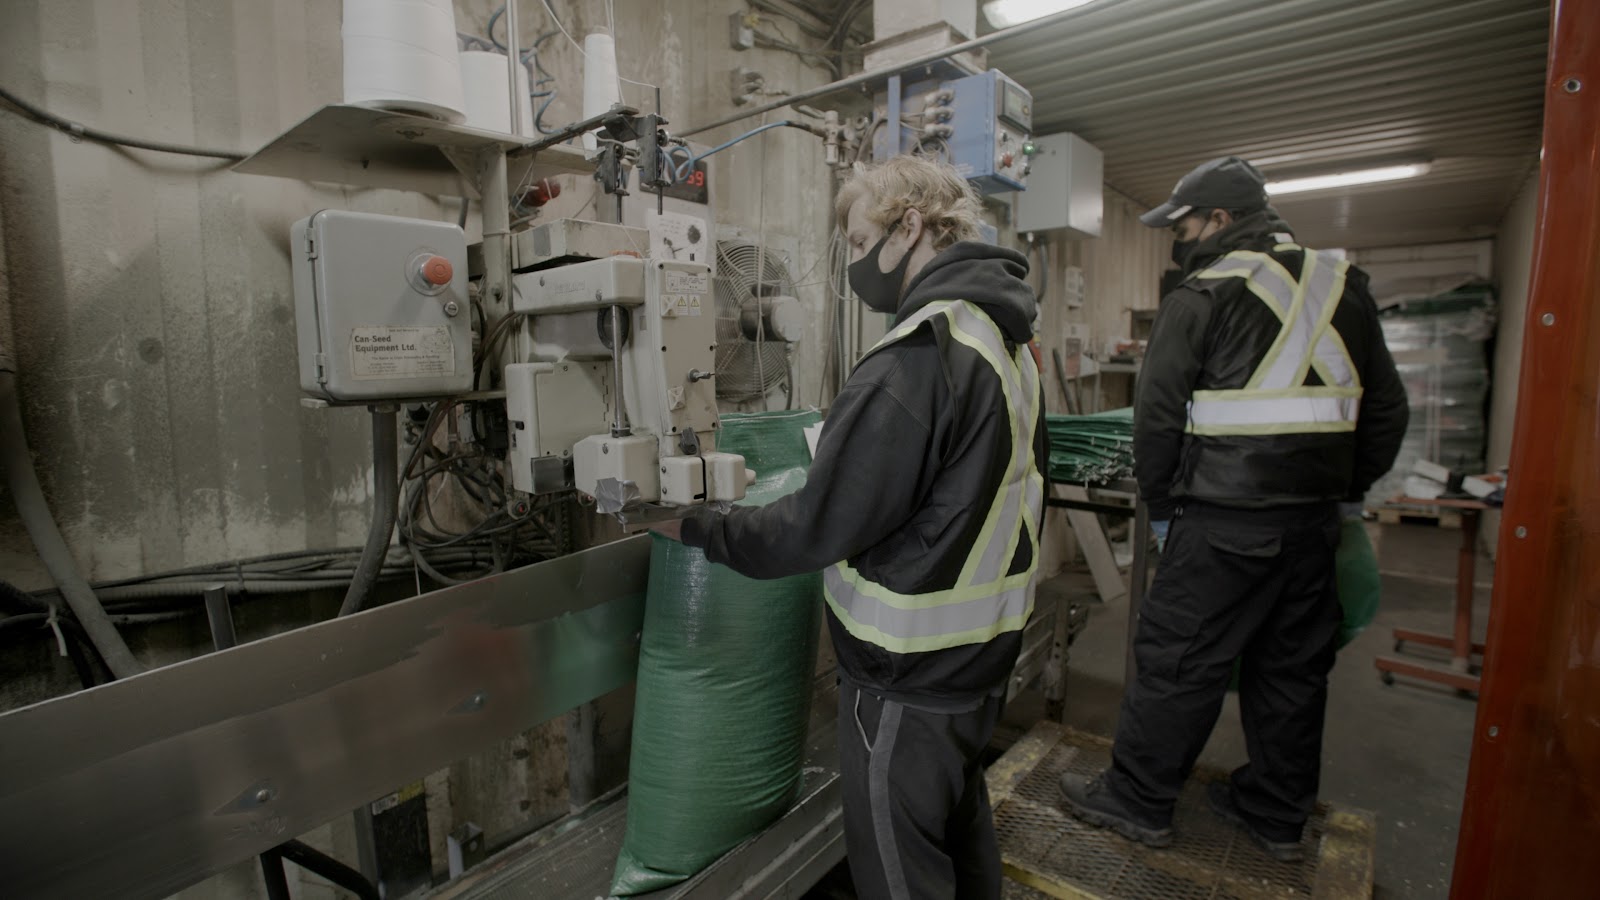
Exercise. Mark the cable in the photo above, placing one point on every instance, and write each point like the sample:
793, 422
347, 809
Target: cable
817, 31
557, 20
385, 500
825, 59
14, 601
306, 565
530, 54
683, 170
490, 343
80, 131
842, 29
479, 477
489, 28
866, 142
35, 514
82, 663
539, 116
141, 594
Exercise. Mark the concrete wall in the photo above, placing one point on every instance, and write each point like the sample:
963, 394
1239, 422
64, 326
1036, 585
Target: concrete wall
150, 293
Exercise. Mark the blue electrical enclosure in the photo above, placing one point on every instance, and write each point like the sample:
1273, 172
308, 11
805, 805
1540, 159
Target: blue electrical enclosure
992, 118
981, 124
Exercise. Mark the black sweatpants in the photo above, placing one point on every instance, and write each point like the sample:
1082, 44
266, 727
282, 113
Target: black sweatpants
1249, 585
917, 823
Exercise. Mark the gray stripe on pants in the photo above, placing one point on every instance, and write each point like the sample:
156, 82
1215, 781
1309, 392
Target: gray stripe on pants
878, 794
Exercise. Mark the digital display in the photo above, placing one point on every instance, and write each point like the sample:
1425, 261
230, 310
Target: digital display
693, 187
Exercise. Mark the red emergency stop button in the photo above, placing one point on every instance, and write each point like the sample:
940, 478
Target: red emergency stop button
437, 271
1006, 161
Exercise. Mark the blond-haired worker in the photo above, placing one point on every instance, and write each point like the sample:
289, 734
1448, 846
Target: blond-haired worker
923, 508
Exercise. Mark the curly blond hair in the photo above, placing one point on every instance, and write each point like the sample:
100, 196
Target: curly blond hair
948, 205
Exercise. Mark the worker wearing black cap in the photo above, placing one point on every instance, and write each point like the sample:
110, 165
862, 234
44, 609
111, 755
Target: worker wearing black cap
1267, 397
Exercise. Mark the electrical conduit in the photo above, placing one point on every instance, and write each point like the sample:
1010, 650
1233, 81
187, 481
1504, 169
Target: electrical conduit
23, 482
385, 508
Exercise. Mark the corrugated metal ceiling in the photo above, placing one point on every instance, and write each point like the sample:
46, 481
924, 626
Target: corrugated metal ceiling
1305, 87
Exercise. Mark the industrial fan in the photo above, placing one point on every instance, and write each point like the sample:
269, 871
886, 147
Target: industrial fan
758, 318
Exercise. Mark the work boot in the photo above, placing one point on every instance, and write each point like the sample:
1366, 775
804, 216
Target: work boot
1225, 804
1093, 801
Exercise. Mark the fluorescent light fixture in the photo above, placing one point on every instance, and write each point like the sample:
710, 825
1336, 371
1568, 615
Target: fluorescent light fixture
1346, 179
1006, 13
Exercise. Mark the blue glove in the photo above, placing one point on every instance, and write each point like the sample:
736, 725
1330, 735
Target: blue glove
1161, 528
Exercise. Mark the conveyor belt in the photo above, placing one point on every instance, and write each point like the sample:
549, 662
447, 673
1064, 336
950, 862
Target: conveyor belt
574, 859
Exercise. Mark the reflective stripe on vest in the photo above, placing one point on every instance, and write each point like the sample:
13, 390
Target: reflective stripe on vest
1276, 399
1271, 282
985, 602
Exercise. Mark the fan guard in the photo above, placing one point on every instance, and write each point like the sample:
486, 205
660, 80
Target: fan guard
751, 361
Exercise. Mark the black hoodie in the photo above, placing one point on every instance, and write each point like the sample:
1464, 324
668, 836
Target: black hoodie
911, 456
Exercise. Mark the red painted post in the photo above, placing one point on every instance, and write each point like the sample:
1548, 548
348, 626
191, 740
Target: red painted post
1531, 821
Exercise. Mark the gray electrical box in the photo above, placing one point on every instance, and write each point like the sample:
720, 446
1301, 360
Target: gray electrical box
381, 307
1066, 188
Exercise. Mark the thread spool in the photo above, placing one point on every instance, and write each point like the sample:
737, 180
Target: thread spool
600, 88
401, 55
483, 83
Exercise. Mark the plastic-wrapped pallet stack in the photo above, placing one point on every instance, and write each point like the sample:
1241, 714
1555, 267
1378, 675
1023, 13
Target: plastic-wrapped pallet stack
1440, 346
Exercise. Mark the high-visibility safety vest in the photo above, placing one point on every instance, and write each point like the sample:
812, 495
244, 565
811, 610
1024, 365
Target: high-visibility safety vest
1276, 399
985, 602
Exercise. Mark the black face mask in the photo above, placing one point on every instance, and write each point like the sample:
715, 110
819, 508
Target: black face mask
879, 290
1181, 251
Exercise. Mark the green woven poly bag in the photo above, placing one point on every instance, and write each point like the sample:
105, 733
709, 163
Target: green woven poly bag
724, 693
1356, 569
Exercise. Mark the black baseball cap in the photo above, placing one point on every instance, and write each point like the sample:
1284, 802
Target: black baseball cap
1225, 183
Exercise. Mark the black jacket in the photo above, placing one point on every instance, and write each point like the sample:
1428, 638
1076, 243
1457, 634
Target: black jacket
911, 456
1211, 335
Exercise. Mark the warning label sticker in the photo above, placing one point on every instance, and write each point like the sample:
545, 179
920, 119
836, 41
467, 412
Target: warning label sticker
680, 305
395, 351
687, 282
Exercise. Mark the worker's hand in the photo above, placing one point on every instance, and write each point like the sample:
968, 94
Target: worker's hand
673, 528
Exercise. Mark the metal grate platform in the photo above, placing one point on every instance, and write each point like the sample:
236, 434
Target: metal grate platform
1048, 850
1011, 890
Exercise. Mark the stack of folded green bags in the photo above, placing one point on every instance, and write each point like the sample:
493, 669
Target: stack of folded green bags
1091, 449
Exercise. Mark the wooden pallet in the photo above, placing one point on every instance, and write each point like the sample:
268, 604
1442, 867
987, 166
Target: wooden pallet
1395, 514
1047, 851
